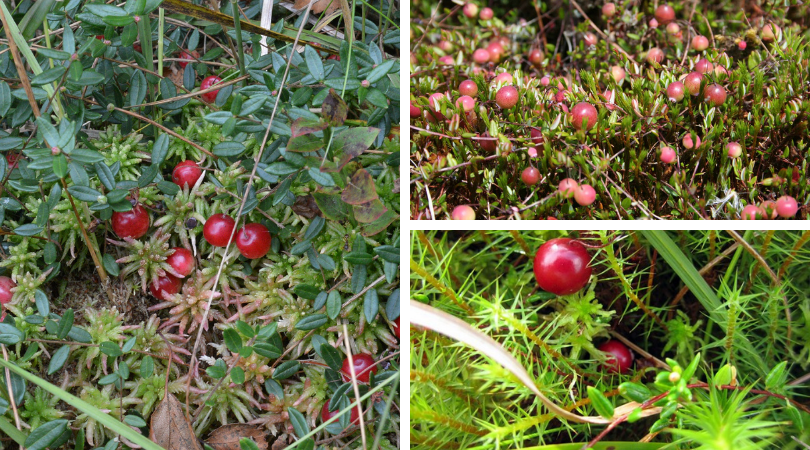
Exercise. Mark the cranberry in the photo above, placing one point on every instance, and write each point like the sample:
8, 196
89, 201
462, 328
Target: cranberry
468, 87
445, 60
536, 136
583, 115
490, 144
653, 23
186, 173
620, 359
617, 72
562, 266
665, 14
609, 9
769, 209
590, 39
364, 366
446, 46
470, 10
700, 43
415, 111
182, 261
655, 55
481, 56
675, 91
187, 57
568, 187
12, 159
742, 45
217, 229
165, 287
6, 285
536, 58
667, 155
462, 212
545, 81
688, 143
770, 32
486, 14
734, 149
133, 223
137, 47
786, 206
530, 176
692, 82
507, 97
207, 83
395, 326
703, 66
326, 414
253, 240
466, 102
585, 195
673, 28
752, 212
714, 94
504, 77
435, 100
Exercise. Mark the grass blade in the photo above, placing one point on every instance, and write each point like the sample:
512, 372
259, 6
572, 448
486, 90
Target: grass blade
12, 432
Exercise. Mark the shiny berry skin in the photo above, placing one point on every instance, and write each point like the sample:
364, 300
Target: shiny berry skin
364, 366
536, 136
714, 94
703, 66
562, 266
486, 13
182, 261
742, 45
734, 149
530, 176
187, 57
667, 155
786, 206
689, 143
700, 43
675, 91
583, 115
217, 229
665, 14
6, 285
585, 195
253, 240
415, 111
620, 359
165, 287
590, 39
462, 212
186, 173
481, 56
507, 97
133, 223
209, 81
752, 212
470, 10
326, 414
655, 55
692, 82
468, 87
489, 144
466, 103
532, 152
568, 187
536, 58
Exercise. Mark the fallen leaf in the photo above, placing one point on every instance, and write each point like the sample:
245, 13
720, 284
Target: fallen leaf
227, 437
170, 428
280, 444
306, 206
360, 190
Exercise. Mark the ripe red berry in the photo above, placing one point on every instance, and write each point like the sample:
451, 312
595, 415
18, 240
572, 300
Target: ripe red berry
714, 94
583, 115
675, 91
585, 195
186, 173
218, 229
752, 212
253, 240
536, 58
486, 14
665, 14
488, 144
700, 43
703, 66
562, 266
481, 56
364, 366
6, 285
395, 326
734, 149
468, 87
207, 82
507, 97
609, 9
786, 206
165, 287
182, 261
536, 136
462, 212
692, 82
415, 111
326, 414
470, 10
133, 223
620, 359
655, 55
742, 45
187, 57
667, 155
466, 103
530, 176
590, 39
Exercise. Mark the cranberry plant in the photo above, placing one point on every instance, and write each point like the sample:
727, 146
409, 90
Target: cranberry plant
691, 338
671, 111
192, 204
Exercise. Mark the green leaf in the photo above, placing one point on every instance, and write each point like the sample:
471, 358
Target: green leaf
634, 392
314, 228
137, 88
392, 306
47, 131
228, 149
58, 359
46, 434
314, 63
238, 375
380, 71
48, 76
247, 444
9, 334
299, 422
84, 193
600, 403
307, 291
274, 389
388, 253
333, 304
286, 370
358, 258
135, 421
110, 349
311, 322
322, 178
160, 149
41, 300
118, 21
232, 340
331, 357
65, 323
371, 305
5, 98
775, 376
147, 367
108, 261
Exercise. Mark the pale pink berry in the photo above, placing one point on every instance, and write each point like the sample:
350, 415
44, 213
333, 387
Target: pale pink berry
653, 23
486, 14
466, 102
470, 10
734, 150
532, 152
590, 39
689, 143
609, 9
667, 155
585, 195
751, 212
692, 82
468, 87
568, 187
675, 91
769, 208
786, 206
673, 28
463, 212
446, 60
617, 72
655, 55
480, 56
700, 43
504, 77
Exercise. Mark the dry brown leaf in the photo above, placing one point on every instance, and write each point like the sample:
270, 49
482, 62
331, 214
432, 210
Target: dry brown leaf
170, 428
318, 6
305, 206
174, 74
280, 444
227, 437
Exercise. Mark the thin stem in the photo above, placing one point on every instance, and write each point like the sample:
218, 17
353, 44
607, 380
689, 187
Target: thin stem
238, 28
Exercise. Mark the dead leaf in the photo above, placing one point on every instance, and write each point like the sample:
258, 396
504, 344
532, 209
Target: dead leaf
280, 444
170, 428
227, 437
306, 206
334, 109
319, 6
360, 190
369, 212
174, 74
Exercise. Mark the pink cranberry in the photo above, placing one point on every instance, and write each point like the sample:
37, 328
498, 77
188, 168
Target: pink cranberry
751, 212
545, 81
504, 77
590, 39
463, 212
486, 14
692, 82
435, 100
786, 206
532, 152
480, 56
688, 143
673, 28
568, 187
667, 155
714, 94
770, 32
655, 55
536, 58
466, 102
675, 91
665, 14
585, 195
742, 45
6, 285
769, 208
446, 46
617, 72
703, 65
609, 9
468, 87
700, 43
507, 97
583, 115
734, 149
530, 176
470, 10
653, 23
446, 60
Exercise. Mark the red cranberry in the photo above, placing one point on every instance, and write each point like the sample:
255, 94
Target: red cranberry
536, 136
490, 144
187, 57
507, 97
208, 82
536, 58
486, 14
6, 285
253, 240
165, 287
133, 223
568, 187
655, 55
620, 359
182, 261
530, 176
326, 414
742, 45
468, 87
481, 56
217, 229
700, 43
714, 94
186, 173
415, 111
463, 212
665, 14
692, 82
667, 155
364, 366
675, 91
562, 266
703, 65
395, 326
583, 115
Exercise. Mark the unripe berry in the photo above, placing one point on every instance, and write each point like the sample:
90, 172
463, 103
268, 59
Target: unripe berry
786, 206
590, 39
532, 152
585, 195
769, 208
486, 14
504, 77
617, 73
734, 149
470, 10
507, 97
700, 43
463, 212
688, 143
446, 46
536, 58
466, 102
675, 91
480, 56
655, 55
468, 87
653, 23
583, 112
770, 32
667, 155
673, 28
751, 212
568, 187
545, 81
665, 14
530, 176
692, 82
609, 9
714, 94
444, 60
